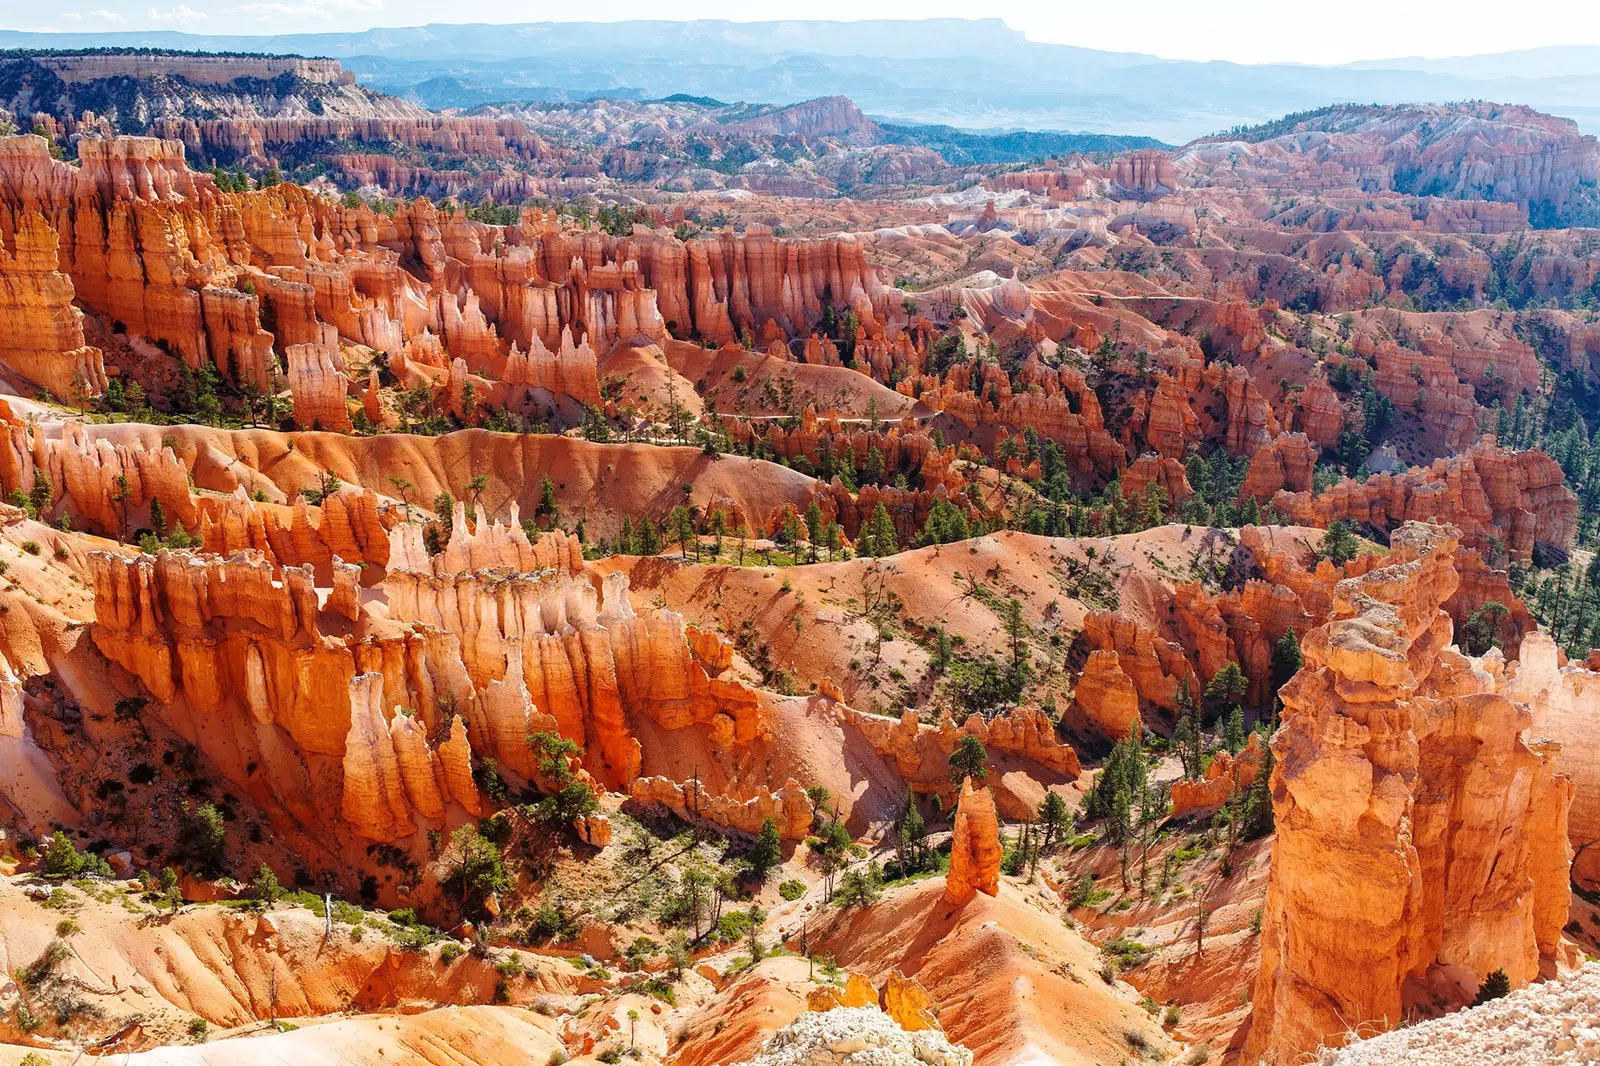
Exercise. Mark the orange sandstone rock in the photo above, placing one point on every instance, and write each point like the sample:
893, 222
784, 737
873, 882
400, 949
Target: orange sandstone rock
975, 847
1413, 818
1107, 697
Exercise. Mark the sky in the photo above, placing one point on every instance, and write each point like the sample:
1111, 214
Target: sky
1245, 31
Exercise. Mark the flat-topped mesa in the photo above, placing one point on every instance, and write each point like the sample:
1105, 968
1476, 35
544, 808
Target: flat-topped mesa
1517, 498
195, 69
1417, 826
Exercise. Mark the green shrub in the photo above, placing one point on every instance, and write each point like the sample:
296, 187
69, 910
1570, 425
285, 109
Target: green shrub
792, 890
1495, 986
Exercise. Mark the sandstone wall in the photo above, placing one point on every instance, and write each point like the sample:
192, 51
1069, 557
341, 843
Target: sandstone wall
1416, 825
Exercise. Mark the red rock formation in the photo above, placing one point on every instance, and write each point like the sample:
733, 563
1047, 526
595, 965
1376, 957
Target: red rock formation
1106, 696
1413, 819
41, 332
1156, 665
1225, 775
1517, 498
1319, 414
1147, 470
1143, 174
974, 848
1286, 463
319, 387
1564, 701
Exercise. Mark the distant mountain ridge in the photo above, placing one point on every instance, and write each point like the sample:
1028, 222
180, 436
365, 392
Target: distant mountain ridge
966, 74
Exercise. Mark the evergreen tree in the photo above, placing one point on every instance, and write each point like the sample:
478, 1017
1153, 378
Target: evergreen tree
1228, 686
1233, 732
1286, 660
879, 538
1052, 817
967, 759
646, 540
768, 850
945, 525
1258, 803
548, 508
1339, 545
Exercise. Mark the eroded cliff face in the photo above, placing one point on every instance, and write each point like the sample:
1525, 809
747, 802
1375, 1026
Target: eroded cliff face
1419, 827
369, 707
1516, 498
1564, 701
275, 285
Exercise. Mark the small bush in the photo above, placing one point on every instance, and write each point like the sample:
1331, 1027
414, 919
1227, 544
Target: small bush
792, 890
40, 969
450, 952
31, 547
1173, 1015
557, 1057
1198, 1055
1495, 986
198, 1028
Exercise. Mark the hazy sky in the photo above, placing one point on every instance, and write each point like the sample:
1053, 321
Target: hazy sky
1249, 31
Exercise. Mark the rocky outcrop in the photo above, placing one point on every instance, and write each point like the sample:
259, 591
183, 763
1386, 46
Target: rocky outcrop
1156, 665
41, 332
1225, 775
1106, 696
789, 808
1286, 463
1416, 825
319, 387
857, 1036
1564, 700
974, 847
1517, 499
571, 370
1469, 151
920, 752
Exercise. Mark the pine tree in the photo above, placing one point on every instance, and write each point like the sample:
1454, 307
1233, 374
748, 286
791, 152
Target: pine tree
1233, 733
1258, 803
548, 507
1339, 545
1052, 816
768, 850
879, 538
1287, 659
967, 759
645, 537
